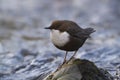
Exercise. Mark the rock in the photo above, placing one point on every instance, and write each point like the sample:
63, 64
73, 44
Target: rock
79, 69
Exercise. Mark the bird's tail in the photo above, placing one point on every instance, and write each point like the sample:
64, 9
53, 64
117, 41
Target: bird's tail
89, 30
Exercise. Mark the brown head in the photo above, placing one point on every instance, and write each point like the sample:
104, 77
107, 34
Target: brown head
55, 24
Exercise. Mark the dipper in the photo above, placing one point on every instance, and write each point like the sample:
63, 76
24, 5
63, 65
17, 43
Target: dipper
68, 36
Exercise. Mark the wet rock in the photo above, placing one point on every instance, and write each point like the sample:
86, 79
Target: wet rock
78, 69
117, 74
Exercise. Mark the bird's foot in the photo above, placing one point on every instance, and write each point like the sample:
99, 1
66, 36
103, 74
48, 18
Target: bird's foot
60, 66
63, 62
70, 59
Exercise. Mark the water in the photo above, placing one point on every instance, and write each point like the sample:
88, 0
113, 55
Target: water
25, 47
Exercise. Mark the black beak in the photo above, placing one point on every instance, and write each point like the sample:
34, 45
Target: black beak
47, 28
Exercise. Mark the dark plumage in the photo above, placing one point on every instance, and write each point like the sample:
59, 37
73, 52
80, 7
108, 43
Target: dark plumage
77, 35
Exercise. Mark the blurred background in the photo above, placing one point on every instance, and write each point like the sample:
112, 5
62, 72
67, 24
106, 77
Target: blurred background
24, 39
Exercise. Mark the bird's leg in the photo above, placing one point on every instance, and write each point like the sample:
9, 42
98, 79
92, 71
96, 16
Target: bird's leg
72, 56
63, 61
65, 57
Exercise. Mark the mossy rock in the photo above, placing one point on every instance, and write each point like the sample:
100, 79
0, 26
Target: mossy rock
78, 69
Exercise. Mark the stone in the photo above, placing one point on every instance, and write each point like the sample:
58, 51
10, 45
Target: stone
79, 69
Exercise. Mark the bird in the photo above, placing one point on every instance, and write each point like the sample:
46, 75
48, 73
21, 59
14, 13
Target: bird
68, 36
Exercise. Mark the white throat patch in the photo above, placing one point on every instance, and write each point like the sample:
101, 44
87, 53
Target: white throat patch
59, 38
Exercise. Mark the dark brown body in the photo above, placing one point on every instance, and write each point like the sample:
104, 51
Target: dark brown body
77, 34
72, 34
73, 45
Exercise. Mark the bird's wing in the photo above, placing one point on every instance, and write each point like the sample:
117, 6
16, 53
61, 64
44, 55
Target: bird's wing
74, 30
77, 32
